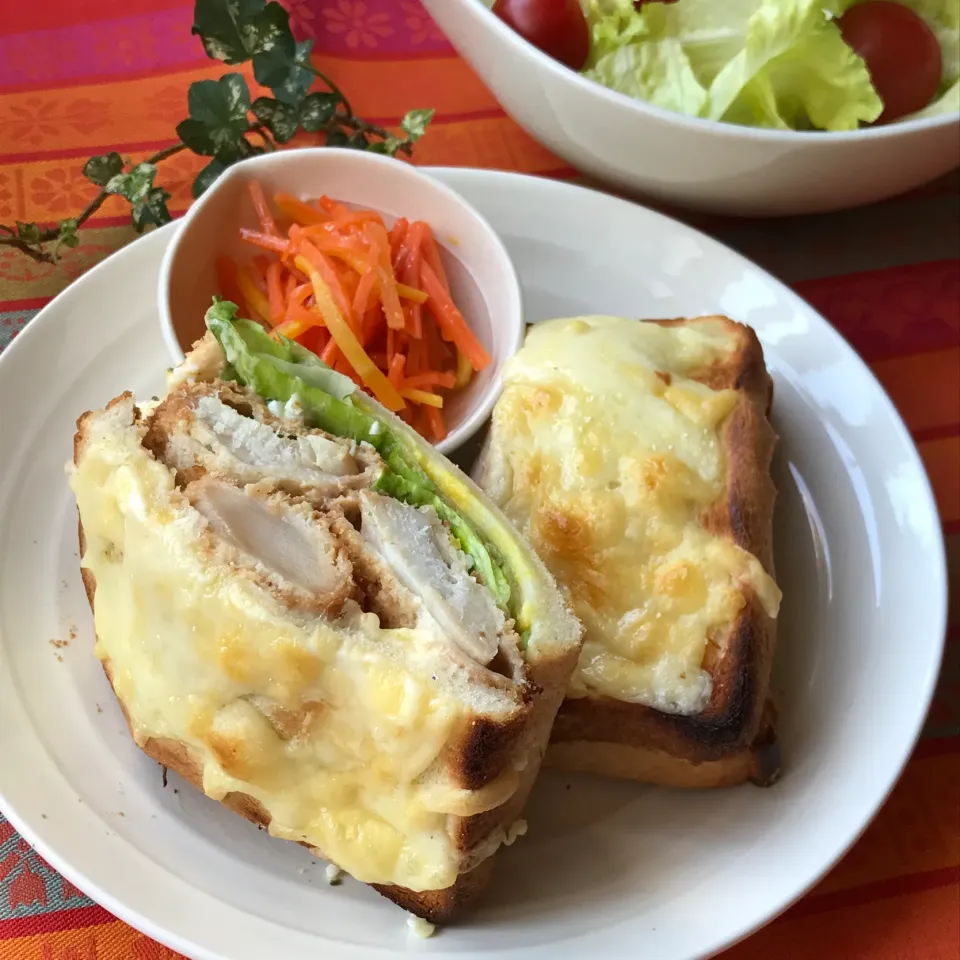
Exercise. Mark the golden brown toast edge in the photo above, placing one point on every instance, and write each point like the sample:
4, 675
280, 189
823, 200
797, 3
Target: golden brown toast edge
483, 753
734, 738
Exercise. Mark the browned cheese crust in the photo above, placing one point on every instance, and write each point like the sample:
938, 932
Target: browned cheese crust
734, 738
484, 751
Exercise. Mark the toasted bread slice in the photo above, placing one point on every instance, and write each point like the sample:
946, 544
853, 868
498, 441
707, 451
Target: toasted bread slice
702, 720
147, 486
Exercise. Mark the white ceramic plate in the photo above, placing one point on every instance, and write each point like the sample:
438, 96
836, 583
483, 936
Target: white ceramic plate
608, 869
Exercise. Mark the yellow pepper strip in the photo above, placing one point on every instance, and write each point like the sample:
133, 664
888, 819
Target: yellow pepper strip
346, 340
351, 259
256, 301
293, 328
361, 266
423, 396
464, 372
411, 293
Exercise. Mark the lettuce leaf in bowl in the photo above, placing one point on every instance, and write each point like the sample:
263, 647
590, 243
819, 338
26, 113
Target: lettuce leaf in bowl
770, 63
795, 70
657, 71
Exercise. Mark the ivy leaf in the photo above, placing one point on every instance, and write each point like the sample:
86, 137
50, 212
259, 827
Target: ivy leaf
276, 68
336, 138
414, 124
197, 137
281, 119
101, 169
206, 176
218, 118
317, 111
66, 235
149, 202
152, 209
358, 140
235, 31
28, 232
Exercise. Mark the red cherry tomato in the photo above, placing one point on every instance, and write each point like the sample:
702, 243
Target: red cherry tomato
901, 53
557, 27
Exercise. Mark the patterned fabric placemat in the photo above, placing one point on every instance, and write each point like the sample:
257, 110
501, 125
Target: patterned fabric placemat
92, 76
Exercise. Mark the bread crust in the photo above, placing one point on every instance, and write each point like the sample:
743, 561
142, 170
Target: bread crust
484, 751
733, 738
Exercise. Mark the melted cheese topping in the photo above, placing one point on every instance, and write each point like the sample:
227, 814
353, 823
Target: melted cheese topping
333, 728
604, 453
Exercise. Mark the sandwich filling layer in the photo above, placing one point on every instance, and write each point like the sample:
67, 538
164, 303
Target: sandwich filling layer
605, 452
314, 642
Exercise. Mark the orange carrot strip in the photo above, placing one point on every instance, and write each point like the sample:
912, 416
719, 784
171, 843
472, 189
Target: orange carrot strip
410, 274
411, 243
264, 240
330, 353
298, 211
397, 232
439, 355
437, 424
431, 253
308, 316
257, 303
315, 339
275, 292
298, 294
227, 282
372, 320
267, 222
422, 396
411, 320
362, 297
311, 257
396, 370
349, 345
331, 206
421, 422
349, 281
289, 285
347, 217
449, 319
416, 357
331, 229
358, 218
412, 309
387, 281
431, 379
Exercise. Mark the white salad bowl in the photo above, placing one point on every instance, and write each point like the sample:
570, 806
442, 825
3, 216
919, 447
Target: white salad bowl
483, 281
701, 164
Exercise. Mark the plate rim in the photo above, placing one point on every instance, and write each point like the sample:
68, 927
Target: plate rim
453, 176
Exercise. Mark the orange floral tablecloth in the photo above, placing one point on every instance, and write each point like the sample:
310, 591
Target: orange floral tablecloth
88, 76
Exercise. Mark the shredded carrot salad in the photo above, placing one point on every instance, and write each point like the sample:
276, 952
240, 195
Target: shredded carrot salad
374, 303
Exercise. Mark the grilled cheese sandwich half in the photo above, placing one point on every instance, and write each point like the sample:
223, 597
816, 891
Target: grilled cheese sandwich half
615, 449
290, 626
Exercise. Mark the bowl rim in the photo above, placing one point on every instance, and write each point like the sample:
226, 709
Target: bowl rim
513, 326
484, 17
